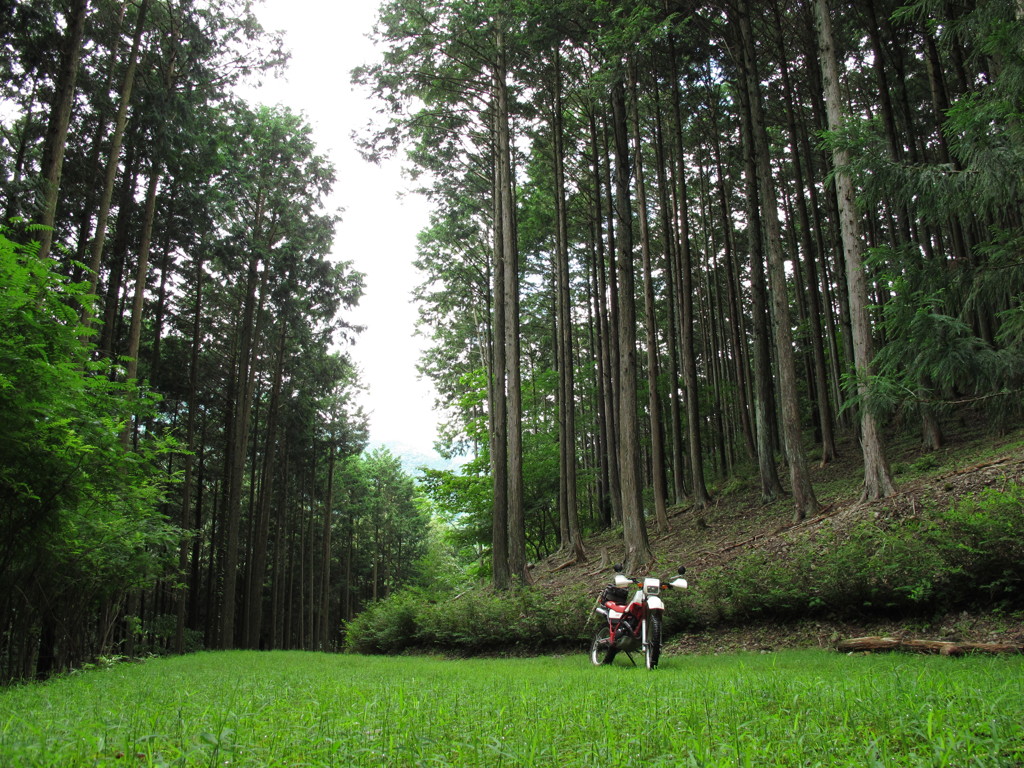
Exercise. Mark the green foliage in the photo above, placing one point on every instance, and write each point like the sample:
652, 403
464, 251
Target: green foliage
952, 320
968, 556
932, 357
984, 547
62, 417
80, 516
386, 626
477, 620
753, 585
462, 499
237, 325
386, 527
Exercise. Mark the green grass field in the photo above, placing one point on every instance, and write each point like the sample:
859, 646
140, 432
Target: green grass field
802, 708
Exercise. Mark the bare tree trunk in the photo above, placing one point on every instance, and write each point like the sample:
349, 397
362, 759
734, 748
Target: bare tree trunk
877, 476
650, 327
675, 421
500, 574
115, 151
737, 335
141, 272
261, 531
323, 642
634, 529
60, 119
805, 502
611, 501
823, 400
238, 438
190, 445
570, 536
771, 486
698, 489
510, 255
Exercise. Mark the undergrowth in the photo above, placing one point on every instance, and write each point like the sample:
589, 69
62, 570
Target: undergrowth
479, 620
968, 556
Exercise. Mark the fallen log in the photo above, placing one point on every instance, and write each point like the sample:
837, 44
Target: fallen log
942, 647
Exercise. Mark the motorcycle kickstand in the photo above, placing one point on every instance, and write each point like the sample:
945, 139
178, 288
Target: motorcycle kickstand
630, 656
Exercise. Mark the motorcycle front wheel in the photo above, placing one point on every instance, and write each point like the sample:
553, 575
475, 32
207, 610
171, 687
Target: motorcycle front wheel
652, 651
602, 649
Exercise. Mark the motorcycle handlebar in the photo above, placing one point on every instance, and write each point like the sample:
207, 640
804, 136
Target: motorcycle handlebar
639, 583
622, 580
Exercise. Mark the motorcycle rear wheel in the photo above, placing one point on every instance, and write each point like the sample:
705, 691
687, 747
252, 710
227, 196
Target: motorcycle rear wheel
652, 651
602, 649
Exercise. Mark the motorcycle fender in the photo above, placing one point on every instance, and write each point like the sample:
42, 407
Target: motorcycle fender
655, 603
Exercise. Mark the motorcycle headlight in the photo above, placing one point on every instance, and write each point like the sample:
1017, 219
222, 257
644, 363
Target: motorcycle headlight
652, 586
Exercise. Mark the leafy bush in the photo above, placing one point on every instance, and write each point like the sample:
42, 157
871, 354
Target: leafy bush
386, 626
81, 518
985, 545
969, 555
476, 621
754, 585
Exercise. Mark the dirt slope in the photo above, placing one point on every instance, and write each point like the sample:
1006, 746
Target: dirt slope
737, 521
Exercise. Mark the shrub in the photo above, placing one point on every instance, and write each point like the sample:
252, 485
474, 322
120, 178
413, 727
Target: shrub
479, 620
386, 626
984, 545
874, 568
967, 556
754, 585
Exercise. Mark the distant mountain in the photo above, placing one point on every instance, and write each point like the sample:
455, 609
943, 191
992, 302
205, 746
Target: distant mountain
414, 457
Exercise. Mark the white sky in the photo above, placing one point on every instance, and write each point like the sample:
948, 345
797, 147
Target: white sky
327, 39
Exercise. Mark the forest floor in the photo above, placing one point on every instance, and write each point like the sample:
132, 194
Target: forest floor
973, 459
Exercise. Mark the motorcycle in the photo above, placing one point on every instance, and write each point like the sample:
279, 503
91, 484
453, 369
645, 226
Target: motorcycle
634, 625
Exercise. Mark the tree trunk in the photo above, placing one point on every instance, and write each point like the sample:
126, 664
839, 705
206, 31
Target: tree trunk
634, 529
771, 486
497, 413
510, 255
141, 272
805, 502
186, 520
650, 326
823, 400
737, 326
611, 501
60, 119
240, 412
126, 210
941, 647
323, 642
116, 138
261, 530
698, 489
571, 538
877, 476
675, 419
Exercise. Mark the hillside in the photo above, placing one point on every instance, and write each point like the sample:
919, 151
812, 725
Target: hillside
973, 459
